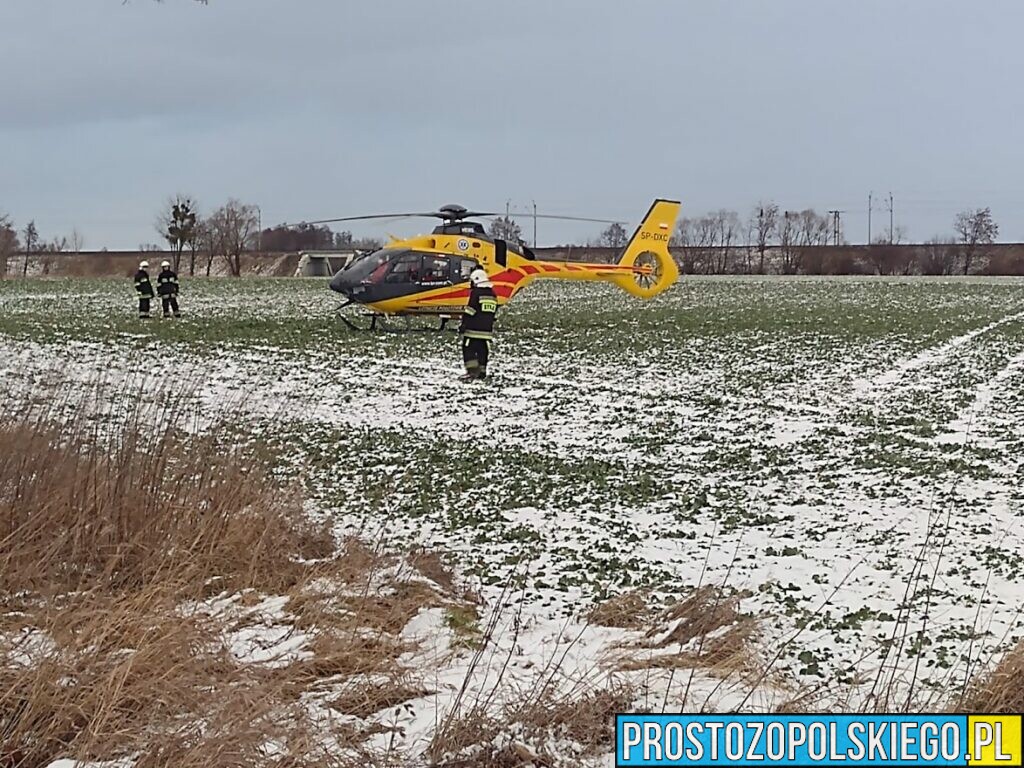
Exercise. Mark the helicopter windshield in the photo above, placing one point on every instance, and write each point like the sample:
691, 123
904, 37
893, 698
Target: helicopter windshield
371, 267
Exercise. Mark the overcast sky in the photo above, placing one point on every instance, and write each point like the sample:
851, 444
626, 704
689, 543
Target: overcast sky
320, 108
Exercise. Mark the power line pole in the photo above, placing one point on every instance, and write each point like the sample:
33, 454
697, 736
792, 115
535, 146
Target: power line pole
259, 229
835, 226
534, 223
870, 195
891, 219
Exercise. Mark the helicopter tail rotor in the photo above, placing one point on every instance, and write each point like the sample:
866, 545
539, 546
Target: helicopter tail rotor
647, 254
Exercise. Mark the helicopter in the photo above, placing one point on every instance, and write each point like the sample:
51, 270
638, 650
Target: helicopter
428, 275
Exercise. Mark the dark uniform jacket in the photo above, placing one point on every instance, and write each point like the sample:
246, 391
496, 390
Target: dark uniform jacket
142, 285
478, 318
167, 283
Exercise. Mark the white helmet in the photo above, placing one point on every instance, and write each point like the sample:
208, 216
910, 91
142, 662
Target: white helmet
165, 264
478, 277
143, 265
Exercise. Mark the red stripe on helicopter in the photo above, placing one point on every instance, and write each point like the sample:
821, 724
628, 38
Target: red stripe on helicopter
458, 293
508, 276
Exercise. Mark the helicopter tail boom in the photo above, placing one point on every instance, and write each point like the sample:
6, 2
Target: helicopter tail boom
645, 269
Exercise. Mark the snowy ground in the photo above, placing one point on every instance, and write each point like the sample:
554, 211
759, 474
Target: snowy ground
844, 452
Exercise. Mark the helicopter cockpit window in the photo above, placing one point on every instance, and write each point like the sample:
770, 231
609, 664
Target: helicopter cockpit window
369, 268
435, 269
405, 269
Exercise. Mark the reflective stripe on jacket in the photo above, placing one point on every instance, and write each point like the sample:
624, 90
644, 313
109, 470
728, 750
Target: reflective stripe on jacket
478, 317
167, 283
142, 285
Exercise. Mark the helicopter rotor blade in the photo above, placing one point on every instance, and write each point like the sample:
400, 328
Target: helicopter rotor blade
419, 214
460, 216
364, 218
561, 218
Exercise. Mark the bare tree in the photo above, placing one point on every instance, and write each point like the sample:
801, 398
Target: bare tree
177, 225
204, 243
232, 229
682, 238
976, 230
76, 241
57, 245
726, 234
764, 222
705, 233
8, 243
787, 229
813, 228
615, 236
504, 228
939, 257
46, 249
883, 256
192, 241
31, 235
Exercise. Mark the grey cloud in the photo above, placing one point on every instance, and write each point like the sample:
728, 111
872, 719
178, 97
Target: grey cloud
317, 107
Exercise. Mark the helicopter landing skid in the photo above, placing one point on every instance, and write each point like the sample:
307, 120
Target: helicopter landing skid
340, 312
371, 327
380, 321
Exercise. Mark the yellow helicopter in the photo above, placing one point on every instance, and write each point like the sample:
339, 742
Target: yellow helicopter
429, 274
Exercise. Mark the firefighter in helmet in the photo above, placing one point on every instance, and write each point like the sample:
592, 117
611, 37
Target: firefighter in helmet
144, 289
167, 287
477, 328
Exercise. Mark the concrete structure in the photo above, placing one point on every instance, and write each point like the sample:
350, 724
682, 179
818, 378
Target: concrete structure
322, 263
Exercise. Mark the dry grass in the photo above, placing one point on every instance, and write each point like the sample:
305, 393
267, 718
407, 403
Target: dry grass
113, 540
706, 610
707, 628
548, 729
1000, 690
79, 512
133, 556
626, 611
724, 654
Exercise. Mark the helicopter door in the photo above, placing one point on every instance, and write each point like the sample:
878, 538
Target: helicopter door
411, 272
402, 277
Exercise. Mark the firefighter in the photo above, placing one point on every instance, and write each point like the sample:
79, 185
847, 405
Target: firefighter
144, 289
477, 325
167, 287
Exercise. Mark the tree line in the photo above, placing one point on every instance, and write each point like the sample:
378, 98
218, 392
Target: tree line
234, 229
29, 242
769, 239
721, 242
194, 241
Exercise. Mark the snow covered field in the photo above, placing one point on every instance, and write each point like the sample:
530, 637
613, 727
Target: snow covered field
841, 453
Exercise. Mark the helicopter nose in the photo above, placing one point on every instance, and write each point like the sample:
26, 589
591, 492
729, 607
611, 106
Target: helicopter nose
340, 283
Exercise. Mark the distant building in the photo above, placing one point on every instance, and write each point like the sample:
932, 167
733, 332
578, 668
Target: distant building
323, 263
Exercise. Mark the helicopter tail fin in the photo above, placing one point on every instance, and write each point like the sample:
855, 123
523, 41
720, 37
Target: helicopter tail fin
648, 250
